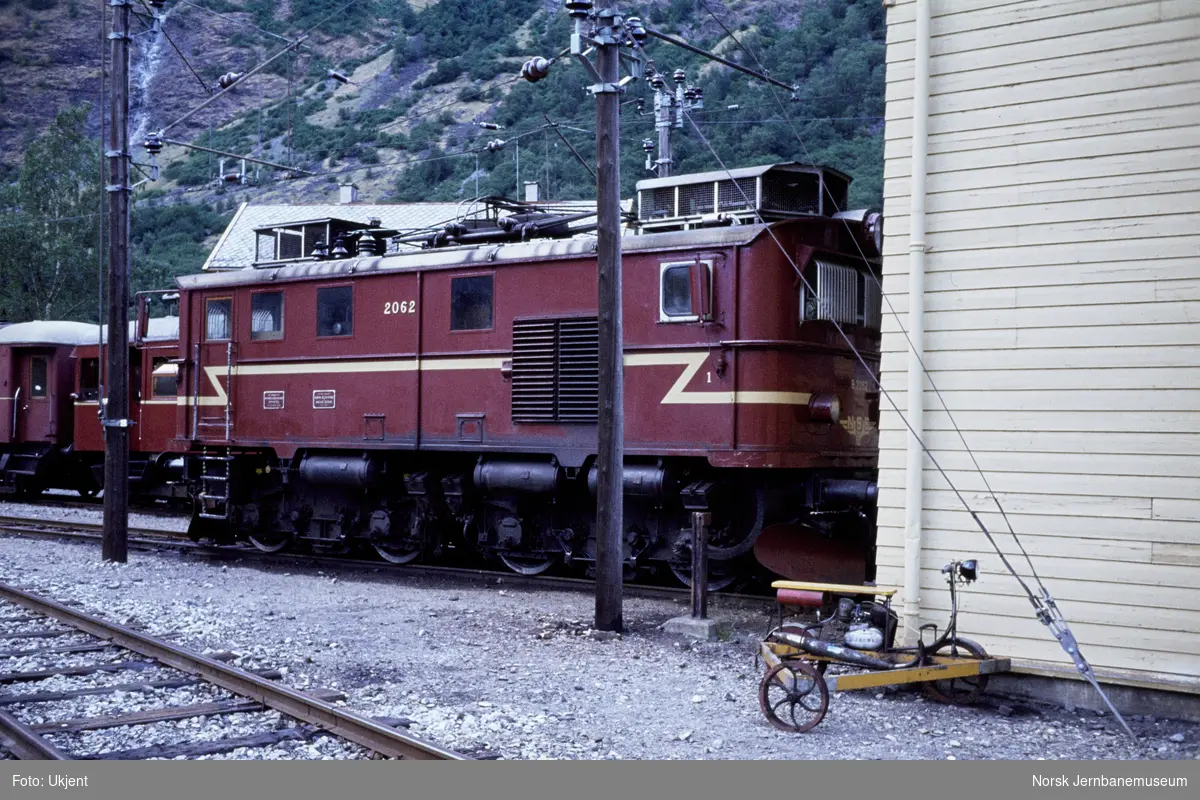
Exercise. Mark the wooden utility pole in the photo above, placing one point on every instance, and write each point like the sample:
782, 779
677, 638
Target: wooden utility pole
115, 412
610, 456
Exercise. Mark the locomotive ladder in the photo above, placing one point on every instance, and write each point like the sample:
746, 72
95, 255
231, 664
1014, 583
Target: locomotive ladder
216, 468
216, 464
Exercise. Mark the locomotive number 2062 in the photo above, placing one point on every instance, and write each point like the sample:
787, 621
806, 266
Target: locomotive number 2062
400, 307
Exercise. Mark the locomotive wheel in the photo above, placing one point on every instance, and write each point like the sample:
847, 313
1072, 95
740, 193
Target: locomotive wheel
397, 553
270, 542
959, 691
523, 564
718, 578
793, 696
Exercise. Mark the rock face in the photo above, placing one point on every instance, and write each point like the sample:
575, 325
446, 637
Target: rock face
50, 55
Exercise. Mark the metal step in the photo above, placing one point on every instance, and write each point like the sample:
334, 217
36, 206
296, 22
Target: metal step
220, 498
206, 515
220, 478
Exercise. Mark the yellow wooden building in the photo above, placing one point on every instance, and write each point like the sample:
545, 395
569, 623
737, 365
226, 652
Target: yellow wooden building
1042, 249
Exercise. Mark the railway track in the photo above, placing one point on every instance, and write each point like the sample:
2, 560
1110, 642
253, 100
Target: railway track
44, 640
157, 539
96, 504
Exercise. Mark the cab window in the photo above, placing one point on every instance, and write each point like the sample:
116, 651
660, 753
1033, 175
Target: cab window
218, 318
335, 311
164, 379
685, 291
266, 315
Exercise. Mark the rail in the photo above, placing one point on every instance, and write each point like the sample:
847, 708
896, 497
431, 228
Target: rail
362, 730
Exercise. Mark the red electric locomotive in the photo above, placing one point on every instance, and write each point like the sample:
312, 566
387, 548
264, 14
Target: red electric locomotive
444, 396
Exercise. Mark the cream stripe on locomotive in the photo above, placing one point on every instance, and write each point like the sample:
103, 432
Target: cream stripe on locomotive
691, 361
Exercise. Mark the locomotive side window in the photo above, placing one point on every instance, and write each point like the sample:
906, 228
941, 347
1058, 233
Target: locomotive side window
335, 311
219, 316
37, 376
471, 303
685, 291
266, 315
164, 378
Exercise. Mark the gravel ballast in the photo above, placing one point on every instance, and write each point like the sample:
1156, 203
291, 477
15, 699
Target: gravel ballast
517, 673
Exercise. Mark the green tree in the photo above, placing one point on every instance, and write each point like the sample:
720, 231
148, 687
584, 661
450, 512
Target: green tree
48, 261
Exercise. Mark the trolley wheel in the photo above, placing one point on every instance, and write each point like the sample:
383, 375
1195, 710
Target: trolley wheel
793, 696
958, 691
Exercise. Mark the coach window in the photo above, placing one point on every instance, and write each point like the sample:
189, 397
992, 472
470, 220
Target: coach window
266, 315
89, 379
164, 378
37, 376
471, 303
219, 314
335, 311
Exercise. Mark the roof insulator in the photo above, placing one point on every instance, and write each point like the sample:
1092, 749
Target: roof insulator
228, 79
337, 76
578, 9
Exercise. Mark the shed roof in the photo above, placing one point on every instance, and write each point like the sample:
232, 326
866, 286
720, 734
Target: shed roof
236, 247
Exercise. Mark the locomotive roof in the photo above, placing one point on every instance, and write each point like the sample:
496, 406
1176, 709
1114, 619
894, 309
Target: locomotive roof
53, 332
467, 255
688, 178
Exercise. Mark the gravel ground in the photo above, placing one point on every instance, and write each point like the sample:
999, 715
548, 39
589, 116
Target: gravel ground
518, 673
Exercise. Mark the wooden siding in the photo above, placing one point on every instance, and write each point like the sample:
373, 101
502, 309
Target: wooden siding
1062, 317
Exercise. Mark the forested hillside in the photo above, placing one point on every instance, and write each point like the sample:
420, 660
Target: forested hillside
422, 75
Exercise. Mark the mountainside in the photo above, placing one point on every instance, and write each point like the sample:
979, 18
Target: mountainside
404, 122
428, 71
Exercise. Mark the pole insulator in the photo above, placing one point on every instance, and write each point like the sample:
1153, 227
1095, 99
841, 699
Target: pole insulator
535, 69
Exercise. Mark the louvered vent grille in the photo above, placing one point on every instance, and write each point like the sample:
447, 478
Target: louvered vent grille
556, 370
738, 194
844, 295
837, 293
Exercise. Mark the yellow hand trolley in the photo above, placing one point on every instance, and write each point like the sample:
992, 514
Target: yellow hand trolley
859, 631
